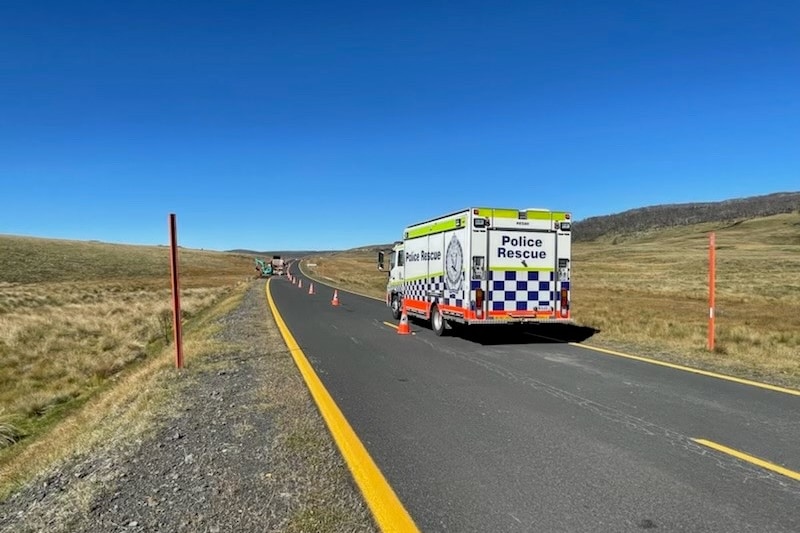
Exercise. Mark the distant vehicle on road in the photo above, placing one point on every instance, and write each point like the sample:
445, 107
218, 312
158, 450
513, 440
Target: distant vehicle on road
483, 266
277, 265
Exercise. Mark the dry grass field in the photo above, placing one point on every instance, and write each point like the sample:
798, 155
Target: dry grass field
74, 316
355, 269
647, 293
650, 291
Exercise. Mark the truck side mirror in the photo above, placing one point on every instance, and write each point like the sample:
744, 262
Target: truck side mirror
380, 261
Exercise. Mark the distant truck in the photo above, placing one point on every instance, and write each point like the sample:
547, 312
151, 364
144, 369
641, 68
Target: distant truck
483, 266
277, 265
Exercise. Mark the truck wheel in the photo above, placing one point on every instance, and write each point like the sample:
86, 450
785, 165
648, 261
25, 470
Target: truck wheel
397, 307
437, 321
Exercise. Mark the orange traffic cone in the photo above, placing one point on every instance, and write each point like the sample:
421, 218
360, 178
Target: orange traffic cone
300, 283
403, 328
335, 300
294, 281
311, 289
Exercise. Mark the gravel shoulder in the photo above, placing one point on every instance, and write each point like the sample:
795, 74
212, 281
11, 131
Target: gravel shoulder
237, 445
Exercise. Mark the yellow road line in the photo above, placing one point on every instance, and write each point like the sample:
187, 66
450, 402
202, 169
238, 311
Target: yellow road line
750, 459
692, 370
389, 513
391, 325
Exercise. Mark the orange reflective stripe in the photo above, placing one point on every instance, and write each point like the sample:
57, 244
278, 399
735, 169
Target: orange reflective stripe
417, 305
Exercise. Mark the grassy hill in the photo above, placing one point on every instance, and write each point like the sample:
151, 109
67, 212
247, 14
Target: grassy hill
650, 289
646, 291
74, 315
35, 260
671, 215
356, 269
283, 254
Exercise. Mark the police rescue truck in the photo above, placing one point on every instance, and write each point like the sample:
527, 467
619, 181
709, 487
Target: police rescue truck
483, 266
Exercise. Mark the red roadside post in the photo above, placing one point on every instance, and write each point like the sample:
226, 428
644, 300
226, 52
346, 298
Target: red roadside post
176, 296
712, 274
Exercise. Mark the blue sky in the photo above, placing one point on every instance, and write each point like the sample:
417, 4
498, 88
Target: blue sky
297, 125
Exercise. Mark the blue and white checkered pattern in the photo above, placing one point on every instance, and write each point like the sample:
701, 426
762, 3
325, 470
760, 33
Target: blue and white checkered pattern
521, 291
429, 289
418, 289
508, 291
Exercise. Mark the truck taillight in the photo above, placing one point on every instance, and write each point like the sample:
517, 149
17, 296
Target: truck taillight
479, 304
564, 303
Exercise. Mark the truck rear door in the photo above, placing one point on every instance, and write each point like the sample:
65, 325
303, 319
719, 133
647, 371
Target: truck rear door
522, 263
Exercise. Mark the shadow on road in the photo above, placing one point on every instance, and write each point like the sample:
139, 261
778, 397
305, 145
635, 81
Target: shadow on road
524, 334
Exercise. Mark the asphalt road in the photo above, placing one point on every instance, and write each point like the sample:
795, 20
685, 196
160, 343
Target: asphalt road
510, 432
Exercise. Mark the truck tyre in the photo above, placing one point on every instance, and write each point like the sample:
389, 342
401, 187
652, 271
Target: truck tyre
397, 307
437, 321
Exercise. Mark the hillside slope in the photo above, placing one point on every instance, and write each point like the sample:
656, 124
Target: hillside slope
38, 260
670, 215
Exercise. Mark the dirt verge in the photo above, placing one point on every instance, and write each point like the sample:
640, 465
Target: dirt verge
237, 445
